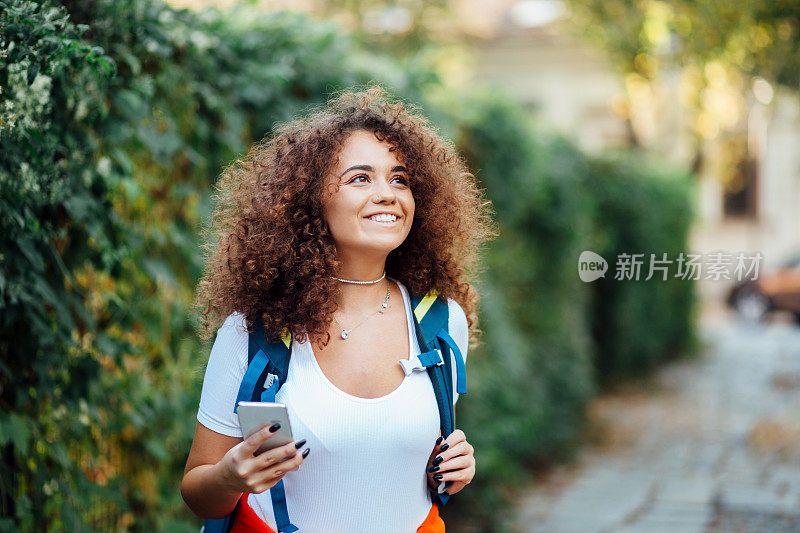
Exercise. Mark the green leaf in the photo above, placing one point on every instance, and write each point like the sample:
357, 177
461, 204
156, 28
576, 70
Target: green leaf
14, 430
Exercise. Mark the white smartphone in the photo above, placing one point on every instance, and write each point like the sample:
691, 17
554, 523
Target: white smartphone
254, 415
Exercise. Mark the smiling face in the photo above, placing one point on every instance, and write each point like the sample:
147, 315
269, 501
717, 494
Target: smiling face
372, 209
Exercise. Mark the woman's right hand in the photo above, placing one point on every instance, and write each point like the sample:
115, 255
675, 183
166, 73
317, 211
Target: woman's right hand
243, 471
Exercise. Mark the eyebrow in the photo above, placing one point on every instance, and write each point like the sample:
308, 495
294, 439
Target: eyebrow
368, 168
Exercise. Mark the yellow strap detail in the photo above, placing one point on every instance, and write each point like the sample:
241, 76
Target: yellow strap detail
425, 304
287, 339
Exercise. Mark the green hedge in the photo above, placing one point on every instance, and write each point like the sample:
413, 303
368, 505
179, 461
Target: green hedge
552, 339
533, 375
640, 208
55, 221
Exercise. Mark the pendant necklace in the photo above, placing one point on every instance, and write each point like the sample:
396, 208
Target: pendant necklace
381, 309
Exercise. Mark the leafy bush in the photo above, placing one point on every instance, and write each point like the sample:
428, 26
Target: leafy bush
550, 338
640, 207
55, 224
533, 375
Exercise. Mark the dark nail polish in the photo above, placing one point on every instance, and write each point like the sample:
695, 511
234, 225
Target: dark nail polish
299, 444
305, 453
438, 477
438, 460
446, 445
433, 469
274, 427
438, 441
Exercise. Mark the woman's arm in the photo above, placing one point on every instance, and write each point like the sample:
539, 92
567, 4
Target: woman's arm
220, 468
203, 488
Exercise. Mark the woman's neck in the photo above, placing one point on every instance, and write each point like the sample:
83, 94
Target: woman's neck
358, 299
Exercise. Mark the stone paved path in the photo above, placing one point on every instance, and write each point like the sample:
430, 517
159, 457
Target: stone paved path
713, 446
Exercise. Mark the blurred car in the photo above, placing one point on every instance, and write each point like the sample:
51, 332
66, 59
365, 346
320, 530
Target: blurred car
772, 291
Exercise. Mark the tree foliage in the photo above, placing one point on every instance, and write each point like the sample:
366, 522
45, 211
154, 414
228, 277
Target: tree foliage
705, 62
762, 37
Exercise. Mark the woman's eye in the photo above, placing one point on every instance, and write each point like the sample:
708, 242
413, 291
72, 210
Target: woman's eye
362, 178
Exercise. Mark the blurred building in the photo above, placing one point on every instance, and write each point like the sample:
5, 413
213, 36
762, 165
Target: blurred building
749, 177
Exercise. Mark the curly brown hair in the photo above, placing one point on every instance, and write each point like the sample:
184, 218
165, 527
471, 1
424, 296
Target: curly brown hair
269, 252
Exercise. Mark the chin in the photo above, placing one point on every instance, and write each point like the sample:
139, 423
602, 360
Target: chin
383, 248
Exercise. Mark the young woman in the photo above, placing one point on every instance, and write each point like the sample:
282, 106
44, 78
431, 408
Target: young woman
325, 230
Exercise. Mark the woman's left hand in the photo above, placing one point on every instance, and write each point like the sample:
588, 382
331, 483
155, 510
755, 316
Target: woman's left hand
452, 460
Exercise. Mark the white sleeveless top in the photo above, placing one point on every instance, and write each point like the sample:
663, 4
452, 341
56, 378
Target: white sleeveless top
366, 469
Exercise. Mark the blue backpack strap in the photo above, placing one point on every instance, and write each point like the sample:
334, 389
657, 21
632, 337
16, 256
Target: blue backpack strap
461, 371
431, 320
267, 370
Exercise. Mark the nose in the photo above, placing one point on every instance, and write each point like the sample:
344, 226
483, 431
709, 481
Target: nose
382, 188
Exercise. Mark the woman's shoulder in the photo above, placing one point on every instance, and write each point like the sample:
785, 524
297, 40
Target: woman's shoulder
230, 344
237, 321
456, 311
227, 364
457, 322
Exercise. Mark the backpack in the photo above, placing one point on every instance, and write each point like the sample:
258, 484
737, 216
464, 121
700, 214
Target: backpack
267, 370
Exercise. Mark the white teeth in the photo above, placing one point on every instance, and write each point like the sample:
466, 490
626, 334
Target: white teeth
383, 218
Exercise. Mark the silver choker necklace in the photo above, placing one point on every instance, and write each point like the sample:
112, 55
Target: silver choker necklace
363, 282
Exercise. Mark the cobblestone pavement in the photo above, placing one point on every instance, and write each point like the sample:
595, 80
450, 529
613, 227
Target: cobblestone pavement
711, 446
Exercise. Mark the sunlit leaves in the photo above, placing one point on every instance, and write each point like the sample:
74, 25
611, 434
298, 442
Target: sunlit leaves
695, 70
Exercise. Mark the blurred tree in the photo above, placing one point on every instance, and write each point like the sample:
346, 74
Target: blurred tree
760, 37
398, 28
724, 55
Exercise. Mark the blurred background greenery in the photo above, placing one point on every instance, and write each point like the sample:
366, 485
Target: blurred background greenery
116, 118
